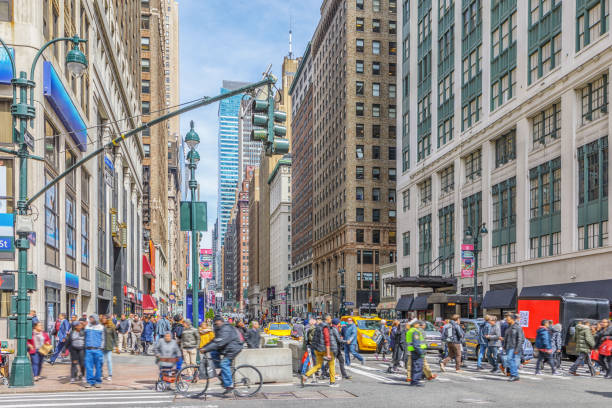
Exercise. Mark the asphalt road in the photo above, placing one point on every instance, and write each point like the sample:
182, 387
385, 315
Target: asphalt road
371, 387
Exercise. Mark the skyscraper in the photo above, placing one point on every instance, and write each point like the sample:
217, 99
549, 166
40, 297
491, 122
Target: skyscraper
229, 162
249, 151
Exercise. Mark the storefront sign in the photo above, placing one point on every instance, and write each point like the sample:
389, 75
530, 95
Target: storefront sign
72, 280
467, 260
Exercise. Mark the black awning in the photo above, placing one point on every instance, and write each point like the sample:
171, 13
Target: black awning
420, 303
404, 304
601, 289
500, 299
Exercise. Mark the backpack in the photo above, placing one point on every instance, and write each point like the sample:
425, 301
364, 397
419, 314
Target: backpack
56, 328
317, 336
447, 333
240, 336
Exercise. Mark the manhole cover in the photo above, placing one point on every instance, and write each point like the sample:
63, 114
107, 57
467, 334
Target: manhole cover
473, 401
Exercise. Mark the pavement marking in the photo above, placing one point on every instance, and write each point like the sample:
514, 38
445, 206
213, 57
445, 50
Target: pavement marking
86, 397
466, 376
65, 404
373, 376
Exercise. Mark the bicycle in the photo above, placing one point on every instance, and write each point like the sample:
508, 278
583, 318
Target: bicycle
192, 381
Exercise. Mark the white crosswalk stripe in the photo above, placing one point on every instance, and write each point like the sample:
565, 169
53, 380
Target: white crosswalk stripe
127, 398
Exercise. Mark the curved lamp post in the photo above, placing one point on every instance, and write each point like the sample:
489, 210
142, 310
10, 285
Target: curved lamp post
76, 63
469, 236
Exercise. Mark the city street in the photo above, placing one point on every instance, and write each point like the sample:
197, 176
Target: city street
370, 386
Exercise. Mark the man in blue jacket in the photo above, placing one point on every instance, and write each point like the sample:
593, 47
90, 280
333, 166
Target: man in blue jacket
350, 347
62, 335
545, 348
483, 342
94, 344
163, 326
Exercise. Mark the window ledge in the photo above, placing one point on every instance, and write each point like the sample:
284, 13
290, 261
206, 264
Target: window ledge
591, 44
551, 143
540, 81
593, 123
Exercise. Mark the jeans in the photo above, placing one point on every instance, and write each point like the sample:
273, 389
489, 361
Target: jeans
319, 364
37, 360
482, 352
398, 355
93, 361
77, 359
544, 357
492, 356
351, 349
108, 358
58, 350
136, 342
583, 358
226, 368
416, 367
512, 362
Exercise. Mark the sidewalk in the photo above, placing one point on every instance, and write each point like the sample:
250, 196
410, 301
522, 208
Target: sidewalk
129, 373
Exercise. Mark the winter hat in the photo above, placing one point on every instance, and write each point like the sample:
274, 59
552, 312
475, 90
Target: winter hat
335, 321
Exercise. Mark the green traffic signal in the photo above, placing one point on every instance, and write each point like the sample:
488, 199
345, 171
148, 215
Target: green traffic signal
280, 146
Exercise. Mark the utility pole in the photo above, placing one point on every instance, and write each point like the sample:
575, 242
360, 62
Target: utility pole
192, 140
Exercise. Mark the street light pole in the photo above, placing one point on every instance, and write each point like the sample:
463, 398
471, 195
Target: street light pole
192, 140
481, 230
76, 63
342, 292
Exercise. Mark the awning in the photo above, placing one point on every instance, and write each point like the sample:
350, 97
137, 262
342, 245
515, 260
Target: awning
594, 289
420, 303
404, 303
147, 270
500, 299
148, 304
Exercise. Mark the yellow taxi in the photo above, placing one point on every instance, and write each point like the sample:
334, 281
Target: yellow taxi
366, 326
280, 329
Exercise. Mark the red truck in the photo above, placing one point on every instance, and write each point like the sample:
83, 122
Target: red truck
567, 309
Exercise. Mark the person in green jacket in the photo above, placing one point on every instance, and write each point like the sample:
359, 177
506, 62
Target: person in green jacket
584, 344
415, 342
110, 342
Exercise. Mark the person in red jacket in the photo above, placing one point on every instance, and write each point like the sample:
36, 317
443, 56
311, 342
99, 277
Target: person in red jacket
39, 337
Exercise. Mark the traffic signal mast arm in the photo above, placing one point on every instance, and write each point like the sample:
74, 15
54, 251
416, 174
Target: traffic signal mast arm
269, 80
268, 125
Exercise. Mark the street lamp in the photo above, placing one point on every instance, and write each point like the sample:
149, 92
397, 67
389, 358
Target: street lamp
192, 140
342, 291
287, 297
481, 230
76, 63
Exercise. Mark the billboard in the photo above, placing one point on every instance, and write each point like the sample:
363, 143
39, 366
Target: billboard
467, 260
206, 263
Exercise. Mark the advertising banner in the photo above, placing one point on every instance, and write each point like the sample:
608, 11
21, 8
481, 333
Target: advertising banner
467, 260
206, 263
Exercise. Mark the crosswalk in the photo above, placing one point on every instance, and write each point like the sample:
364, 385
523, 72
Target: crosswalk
128, 398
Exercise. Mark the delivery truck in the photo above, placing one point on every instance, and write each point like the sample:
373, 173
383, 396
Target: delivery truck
567, 309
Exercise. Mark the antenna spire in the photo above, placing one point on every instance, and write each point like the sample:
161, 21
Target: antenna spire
290, 40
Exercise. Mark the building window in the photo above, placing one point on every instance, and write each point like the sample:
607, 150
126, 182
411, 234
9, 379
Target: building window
392, 6
376, 194
376, 5
145, 65
376, 173
146, 86
504, 254
392, 91
392, 174
392, 27
406, 200
391, 195
375, 89
51, 145
425, 192
503, 197
145, 43
392, 111
447, 180
545, 58
6, 186
70, 228
146, 107
375, 215
359, 44
359, 87
359, 214
406, 243
472, 111
84, 237
376, 131
546, 125
376, 110
376, 68
6, 10
359, 108
359, 130
503, 89
593, 194
359, 172
392, 48
593, 20
144, 22
473, 165
446, 221
359, 193
503, 35
505, 148
392, 153
376, 152
376, 236
147, 150
392, 69
424, 245
545, 208
359, 235
392, 238
70, 161
359, 4
376, 26
359, 151
359, 24
359, 67
595, 99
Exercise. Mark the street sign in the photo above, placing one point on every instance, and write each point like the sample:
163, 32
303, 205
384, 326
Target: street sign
7, 233
349, 304
201, 217
29, 140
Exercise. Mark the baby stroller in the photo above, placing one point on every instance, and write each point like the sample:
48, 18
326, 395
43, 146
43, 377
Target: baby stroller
167, 375
4, 368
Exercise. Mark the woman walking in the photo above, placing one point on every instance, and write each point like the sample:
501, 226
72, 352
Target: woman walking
110, 343
38, 340
76, 346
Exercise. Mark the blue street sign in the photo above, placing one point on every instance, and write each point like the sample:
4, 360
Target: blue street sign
349, 304
7, 233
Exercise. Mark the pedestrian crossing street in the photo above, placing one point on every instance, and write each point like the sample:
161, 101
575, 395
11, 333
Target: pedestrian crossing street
377, 370
128, 398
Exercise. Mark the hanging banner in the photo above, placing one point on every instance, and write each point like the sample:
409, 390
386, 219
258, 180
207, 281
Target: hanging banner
206, 263
467, 260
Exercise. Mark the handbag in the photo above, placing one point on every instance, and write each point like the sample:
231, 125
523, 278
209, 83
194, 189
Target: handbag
594, 355
45, 349
606, 348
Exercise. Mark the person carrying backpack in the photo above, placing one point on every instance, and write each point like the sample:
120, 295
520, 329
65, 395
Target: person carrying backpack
325, 349
584, 344
454, 340
545, 348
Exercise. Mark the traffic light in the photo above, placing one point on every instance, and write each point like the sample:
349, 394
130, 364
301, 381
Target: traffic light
268, 126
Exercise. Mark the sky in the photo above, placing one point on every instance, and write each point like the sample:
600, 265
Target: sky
232, 40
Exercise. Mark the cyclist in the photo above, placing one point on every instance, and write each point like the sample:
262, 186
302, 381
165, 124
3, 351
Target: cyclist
228, 342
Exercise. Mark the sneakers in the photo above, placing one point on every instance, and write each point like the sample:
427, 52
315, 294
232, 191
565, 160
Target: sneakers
479, 368
363, 362
333, 385
302, 380
72, 380
442, 367
88, 385
98, 385
433, 377
460, 371
514, 379
537, 373
228, 392
109, 378
416, 384
348, 377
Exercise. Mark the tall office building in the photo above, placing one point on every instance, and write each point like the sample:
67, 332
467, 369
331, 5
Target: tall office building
353, 54
229, 157
505, 127
249, 151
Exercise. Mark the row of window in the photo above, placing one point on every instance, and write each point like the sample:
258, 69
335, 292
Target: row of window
376, 46
376, 194
359, 173
376, 25
360, 216
376, 110
376, 68
376, 155
376, 131
360, 89
376, 5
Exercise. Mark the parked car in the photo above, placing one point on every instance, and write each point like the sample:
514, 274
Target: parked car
366, 326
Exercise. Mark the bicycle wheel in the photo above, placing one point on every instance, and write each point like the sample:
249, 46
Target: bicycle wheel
247, 380
189, 383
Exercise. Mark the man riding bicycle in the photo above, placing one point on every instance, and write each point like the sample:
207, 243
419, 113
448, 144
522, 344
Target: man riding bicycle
227, 343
